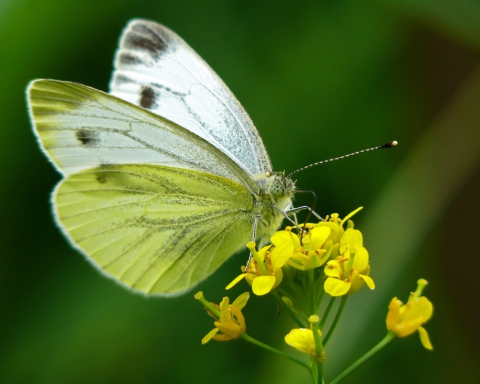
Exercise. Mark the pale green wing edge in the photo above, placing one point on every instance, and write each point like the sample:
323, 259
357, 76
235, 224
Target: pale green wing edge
154, 229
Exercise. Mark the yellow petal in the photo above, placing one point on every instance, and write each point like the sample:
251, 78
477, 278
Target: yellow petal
302, 340
352, 238
299, 261
361, 259
235, 281
336, 287
333, 269
280, 257
406, 328
263, 284
356, 282
278, 277
314, 261
285, 242
351, 214
263, 251
393, 316
241, 300
209, 335
224, 304
250, 277
336, 230
421, 307
319, 236
425, 339
328, 252
224, 313
369, 281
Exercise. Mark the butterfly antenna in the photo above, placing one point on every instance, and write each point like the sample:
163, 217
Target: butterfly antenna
386, 145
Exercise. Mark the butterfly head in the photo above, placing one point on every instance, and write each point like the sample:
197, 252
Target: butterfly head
281, 185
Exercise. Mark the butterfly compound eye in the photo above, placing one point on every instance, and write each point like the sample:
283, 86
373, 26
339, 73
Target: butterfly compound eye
276, 189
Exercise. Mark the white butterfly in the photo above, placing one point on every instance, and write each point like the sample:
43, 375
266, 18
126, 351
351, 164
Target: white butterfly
165, 177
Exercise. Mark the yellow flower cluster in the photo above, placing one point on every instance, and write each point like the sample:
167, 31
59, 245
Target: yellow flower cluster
347, 270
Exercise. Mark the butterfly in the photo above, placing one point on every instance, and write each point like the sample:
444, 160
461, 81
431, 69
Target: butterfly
165, 177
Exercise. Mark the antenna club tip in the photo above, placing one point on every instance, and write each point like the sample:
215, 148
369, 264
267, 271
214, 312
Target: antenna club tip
393, 143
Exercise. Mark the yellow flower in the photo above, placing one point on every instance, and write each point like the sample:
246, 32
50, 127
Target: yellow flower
312, 253
264, 271
349, 271
403, 320
231, 322
336, 226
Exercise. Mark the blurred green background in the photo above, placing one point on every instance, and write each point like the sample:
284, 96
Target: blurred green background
319, 79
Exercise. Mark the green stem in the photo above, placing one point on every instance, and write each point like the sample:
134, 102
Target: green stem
250, 339
389, 337
321, 295
311, 290
335, 321
317, 340
314, 370
214, 311
320, 372
283, 295
318, 352
292, 314
327, 312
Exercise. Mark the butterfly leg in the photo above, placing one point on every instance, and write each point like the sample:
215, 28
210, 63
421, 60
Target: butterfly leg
284, 214
289, 207
254, 237
293, 211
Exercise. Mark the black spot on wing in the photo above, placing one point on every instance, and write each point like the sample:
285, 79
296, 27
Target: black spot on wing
102, 178
87, 138
120, 79
141, 37
128, 59
147, 97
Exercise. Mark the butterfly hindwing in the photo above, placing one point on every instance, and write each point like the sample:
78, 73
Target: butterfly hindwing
156, 229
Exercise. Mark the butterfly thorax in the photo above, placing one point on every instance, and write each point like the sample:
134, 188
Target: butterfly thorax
278, 195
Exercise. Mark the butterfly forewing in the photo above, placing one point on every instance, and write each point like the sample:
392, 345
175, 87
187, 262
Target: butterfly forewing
80, 128
157, 70
156, 229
